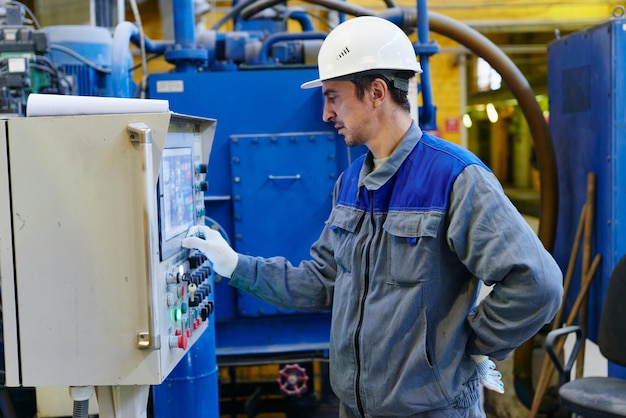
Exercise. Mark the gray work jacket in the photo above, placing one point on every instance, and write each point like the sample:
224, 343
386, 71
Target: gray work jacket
399, 262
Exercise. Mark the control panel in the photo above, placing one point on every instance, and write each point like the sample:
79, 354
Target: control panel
189, 299
96, 288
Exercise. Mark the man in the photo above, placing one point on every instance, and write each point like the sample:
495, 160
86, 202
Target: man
414, 225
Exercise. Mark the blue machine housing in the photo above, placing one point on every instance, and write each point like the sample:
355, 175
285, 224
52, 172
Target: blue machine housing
79, 51
585, 76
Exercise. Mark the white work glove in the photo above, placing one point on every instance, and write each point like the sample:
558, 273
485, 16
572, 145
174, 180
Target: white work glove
211, 243
489, 376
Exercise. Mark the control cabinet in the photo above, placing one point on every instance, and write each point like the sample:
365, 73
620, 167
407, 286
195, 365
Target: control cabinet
96, 288
587, 121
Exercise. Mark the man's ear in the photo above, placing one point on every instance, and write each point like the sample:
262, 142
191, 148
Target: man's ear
378, 90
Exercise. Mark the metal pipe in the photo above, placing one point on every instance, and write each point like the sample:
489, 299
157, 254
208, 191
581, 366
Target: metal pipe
427, 116
302, 18
234, 12
120, 79
184, 28
522, 91
255, 7
278, 37
125, 33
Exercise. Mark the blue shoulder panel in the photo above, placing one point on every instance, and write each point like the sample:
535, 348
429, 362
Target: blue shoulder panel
422, 183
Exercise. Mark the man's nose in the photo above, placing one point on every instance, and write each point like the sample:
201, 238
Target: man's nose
327, 115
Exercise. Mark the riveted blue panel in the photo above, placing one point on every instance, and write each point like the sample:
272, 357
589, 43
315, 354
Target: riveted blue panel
286, 177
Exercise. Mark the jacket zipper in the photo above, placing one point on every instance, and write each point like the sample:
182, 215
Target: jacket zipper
357, 334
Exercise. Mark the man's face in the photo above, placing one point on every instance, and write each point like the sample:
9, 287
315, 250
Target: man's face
348, 113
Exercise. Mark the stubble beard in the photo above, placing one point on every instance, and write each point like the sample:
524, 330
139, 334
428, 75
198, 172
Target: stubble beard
352, 140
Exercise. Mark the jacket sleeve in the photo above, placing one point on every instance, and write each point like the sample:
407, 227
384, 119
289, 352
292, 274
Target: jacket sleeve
307, 286
498, 246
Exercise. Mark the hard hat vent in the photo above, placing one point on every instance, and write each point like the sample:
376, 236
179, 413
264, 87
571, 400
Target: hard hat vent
345, 51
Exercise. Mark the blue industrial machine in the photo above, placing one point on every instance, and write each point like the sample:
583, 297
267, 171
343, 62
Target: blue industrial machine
84, 56
587, 107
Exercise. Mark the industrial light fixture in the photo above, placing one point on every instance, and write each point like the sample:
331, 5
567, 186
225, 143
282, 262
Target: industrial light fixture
492, 113
467, 120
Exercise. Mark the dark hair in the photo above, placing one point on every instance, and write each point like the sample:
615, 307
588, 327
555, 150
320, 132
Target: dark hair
399, 96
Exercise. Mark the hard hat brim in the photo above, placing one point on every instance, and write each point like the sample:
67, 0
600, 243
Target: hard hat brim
311, 84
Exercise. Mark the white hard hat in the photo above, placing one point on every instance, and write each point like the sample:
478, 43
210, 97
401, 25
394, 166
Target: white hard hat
362, 44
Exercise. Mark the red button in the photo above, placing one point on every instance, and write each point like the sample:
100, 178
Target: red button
182, 342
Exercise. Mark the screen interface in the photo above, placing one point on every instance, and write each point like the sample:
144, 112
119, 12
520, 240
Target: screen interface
178, 191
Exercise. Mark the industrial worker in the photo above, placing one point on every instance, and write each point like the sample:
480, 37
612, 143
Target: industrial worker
416, 224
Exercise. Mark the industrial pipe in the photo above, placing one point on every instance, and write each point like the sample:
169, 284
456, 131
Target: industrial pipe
120, 80
428, 116
279, 37
125, 33
302, 18
253, 7
233, 13
483, 47
184, 32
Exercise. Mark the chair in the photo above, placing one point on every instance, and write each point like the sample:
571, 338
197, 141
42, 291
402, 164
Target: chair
602, 397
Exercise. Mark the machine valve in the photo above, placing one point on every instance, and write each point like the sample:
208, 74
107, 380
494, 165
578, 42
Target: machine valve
292, 379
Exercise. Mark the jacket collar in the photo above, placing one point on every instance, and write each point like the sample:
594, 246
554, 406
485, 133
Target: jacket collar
373, 180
